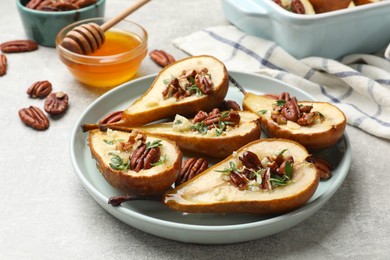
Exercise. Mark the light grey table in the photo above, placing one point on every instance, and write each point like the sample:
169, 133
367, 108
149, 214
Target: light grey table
45, 213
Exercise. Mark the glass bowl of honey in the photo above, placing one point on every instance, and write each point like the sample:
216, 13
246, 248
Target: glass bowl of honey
115, 62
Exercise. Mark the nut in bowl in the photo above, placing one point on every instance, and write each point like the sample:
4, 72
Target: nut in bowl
42, 24
115, 62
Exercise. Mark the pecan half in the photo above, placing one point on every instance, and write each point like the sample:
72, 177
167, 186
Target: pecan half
290, 110
238, 179
191, 167
143, 158
34, 117
33, 4
39, 89
3, 64
161, 58
229, 105
111, 118
56, 103
65, 6
297, 7
85, 3
324, 167
19, 46
250, 160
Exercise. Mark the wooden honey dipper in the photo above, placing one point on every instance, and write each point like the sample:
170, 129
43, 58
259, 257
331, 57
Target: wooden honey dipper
87, 38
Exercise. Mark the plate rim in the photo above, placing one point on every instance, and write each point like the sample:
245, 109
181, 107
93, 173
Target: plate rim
312, 207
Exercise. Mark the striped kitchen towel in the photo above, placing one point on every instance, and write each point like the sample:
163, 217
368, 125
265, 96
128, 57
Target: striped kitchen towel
359, 84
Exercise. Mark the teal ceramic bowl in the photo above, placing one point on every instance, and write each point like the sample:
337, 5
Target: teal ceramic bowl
43, 26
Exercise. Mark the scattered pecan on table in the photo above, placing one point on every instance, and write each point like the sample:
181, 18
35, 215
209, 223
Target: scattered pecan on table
3, 64
34, 117
56, 103
161, 58
18, 46
39, 89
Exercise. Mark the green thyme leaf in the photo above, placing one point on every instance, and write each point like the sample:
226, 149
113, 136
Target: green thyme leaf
195, 89
117, 163
218, 131
110, 142
232, 167
200, 127
280, 103
288, 169
263, 111
277, 180
281, 152
259, 175
166, 81
155, 143
162, 160
224, 114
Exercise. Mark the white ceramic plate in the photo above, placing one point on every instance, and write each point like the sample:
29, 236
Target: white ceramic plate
154, 218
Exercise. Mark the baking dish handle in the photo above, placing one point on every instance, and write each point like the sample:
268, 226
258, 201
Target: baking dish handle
248, 7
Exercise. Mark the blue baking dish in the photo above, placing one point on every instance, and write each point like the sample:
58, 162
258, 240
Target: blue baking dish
361, 29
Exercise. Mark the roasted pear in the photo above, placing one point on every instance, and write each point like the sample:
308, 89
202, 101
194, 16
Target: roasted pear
267, 176
135, 163
185, 87
316, 125
216, 134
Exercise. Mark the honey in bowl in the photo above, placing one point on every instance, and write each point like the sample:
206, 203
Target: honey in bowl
115, 62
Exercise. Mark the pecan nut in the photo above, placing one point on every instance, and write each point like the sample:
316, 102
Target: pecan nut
143, 158
3, 64
56, 103
111, 118
19, 46
34, 117
297, 7
229, 105
85, 3
39, 89
34, 4
161, 58
59, 5
324, 168
191, 167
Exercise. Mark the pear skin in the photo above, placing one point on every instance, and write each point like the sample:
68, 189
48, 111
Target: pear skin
314, 137
153, 181
211, 192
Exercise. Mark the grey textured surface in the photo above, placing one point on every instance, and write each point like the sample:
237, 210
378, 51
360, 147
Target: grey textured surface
46, 213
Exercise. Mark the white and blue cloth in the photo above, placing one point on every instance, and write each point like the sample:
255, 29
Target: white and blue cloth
359, 84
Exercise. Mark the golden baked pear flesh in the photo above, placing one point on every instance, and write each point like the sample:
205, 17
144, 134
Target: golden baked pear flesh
216, 136
135, 163
185, 87
241, 184
325, 130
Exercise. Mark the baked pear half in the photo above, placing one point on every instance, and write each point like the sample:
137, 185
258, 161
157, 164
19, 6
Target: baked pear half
135, 163
316, 125
216, 134
185, 87
267, 176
